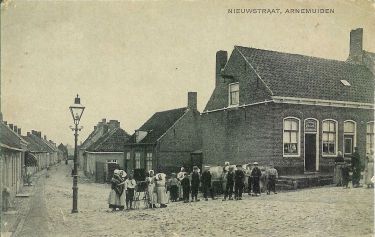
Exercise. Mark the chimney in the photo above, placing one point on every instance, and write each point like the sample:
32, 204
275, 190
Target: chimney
5, 122
34, 132
112, 124
11, 126
104, 120
28, 134
39, 134
356, 45
221, 60
45, 137
19, 131
192, 100
15, 129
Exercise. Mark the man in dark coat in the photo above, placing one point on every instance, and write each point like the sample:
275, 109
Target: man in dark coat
206, 183
255, 174
239, 178
230, 183
195, 181
356, 167
185, 183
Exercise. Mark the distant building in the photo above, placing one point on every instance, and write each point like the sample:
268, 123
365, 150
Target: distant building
165, 142
64, 151
291, 110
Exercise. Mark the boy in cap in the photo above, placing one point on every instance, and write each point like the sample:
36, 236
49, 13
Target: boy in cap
239, 177
255, 174
195, 180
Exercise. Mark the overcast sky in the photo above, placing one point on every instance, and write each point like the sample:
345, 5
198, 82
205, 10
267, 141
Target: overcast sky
128, 60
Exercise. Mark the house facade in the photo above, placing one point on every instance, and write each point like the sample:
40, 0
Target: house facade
165, 142
12, 159
106, 154
294, 111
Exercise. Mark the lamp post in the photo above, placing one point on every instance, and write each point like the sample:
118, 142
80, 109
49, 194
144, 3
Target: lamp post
77, 110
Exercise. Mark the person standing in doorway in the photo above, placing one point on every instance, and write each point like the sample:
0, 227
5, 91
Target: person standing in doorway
256, 174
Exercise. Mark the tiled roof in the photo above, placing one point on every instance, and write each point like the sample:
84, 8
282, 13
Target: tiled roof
293, 75
42, 143
32, 145
9, 138
158, 124
112, 141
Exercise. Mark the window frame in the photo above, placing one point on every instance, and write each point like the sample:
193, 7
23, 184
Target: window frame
354, 141
149, 159
137, 161
336, 137
368, 150
298, 137
230, 94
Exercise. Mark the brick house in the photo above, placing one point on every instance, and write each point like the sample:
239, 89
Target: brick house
292, 110
106, 154
165, 141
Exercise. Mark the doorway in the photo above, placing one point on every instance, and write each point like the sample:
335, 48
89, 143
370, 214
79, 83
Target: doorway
310, 152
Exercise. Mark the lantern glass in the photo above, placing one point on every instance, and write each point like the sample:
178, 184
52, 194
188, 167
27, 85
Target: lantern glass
77, 110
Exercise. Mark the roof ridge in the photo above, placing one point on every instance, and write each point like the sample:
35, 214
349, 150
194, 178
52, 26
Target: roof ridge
301, 55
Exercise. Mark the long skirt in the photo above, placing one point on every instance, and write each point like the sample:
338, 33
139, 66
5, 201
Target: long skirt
115, 200
337, 177
369, 173
161, 195
151, 194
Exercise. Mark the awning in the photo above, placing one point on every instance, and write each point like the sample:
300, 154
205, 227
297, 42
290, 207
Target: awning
30, 159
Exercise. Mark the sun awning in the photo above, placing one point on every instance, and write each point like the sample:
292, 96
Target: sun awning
30, 159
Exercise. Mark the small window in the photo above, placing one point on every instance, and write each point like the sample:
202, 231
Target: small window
137, 160
345, 82
112, 161
234, 94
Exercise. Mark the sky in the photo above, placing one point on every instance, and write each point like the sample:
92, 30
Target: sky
130, 59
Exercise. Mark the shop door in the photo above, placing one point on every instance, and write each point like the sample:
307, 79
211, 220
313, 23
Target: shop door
310, 152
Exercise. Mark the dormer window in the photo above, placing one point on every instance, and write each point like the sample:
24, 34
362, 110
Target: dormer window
234, 94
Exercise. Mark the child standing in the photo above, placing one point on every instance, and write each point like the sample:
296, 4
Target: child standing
185, 183
173, 184
129, 187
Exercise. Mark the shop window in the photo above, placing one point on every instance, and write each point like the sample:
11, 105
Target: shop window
329, 138
291, 137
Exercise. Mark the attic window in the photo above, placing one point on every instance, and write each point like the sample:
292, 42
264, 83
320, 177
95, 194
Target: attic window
345, 82
234, 94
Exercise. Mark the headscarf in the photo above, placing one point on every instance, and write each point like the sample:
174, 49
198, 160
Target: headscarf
149, 172
123, 173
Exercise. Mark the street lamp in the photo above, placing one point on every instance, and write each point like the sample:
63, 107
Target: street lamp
77, 110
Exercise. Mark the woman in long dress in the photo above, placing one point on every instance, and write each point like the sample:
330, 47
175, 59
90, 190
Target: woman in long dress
116, 196
160, 190
151, 190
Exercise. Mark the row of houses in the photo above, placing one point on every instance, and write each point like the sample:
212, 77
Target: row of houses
22, 156
294, 111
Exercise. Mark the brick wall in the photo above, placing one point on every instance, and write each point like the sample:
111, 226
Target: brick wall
255, 133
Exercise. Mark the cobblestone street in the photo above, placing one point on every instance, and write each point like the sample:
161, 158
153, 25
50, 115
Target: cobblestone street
326, 211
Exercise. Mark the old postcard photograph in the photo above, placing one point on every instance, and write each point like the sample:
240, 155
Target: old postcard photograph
187, 118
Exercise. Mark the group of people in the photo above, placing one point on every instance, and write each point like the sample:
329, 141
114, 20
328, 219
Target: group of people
183, 185
356, 165
123, 188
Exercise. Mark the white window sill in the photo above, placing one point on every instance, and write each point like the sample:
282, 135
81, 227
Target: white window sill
233, 106
294, 156
329, 156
